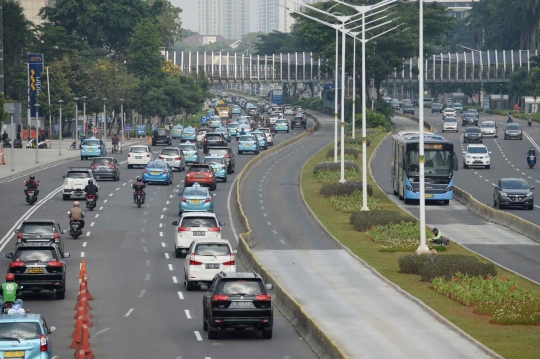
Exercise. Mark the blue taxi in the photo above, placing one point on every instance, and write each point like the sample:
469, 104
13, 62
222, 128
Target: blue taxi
282, 125
189, 134
215, 122
92, 147
248, 143
191, 152
219, 166
157, 171
261, 139
196, 199
232, 128
177, 131
236, 110
25, 336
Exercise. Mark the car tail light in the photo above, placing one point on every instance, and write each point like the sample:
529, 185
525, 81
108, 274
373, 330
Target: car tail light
19, 237
161, 158
263, 297
56, 264
111, 165
227, 156
214, 229
183, 200
145, 171
43, 344
56, 237
129, 154
193, 262
207, 200
93, 165
177, 158
231, 262
16, 263
219, 297
165, 172
184, 229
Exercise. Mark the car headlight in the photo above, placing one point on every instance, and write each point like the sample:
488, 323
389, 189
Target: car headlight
530, 194
468, 156
409, 188
466, 135
504, 194
451, 188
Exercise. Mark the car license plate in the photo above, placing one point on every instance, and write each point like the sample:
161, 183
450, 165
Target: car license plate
215, 169
35, 270
154, 173
429, 195
239, 304
195, 201
168, 159
90, 150
138, 157
199, 233
199, 176
14, 354
211, 266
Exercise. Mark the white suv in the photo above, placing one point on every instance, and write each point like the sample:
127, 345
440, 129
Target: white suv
75, 181
448, 112
476, 155
139, 155
193, 226
449, 124
207, 257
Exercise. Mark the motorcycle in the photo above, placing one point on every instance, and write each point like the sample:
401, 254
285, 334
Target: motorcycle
90, 202
17, 144
529, 122
30, 197
32, 144
139, 198
6, 144
75, 228
531, 161
510, 120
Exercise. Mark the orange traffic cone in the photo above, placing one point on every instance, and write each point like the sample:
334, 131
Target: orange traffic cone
85, 344
83, 312
84, 288
79, 354
77, 334
83, 302
3, 158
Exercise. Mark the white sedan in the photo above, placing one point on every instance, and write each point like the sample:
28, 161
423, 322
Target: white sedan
139, 155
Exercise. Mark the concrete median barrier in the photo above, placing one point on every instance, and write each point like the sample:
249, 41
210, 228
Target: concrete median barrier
310, 331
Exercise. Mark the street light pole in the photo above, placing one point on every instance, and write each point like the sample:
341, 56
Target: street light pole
354, 89
37, 131
84, 115
60, 102
343, 42
11, 111
76, 120
364, 119
336, 99
122, 119
105, 120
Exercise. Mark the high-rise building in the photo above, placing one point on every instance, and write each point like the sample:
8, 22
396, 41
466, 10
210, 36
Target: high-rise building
275, 15
229, 18
458, 8
32, 8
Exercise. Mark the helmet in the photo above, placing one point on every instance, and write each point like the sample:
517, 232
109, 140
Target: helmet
32, 177
90, 181
76, 204
434, 230
10, 277
139, 179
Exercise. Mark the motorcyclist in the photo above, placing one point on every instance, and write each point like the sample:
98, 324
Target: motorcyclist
115, 140
10, 291
91, 189
5, 137
77, 214
531, 152
139, 186
31, 184
510, 120
529, 120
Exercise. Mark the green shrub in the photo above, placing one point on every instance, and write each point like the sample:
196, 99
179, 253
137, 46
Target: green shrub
328, 177
344, 189
409, 230
356, 142
354, 152
364, 220
353, 202
334, 167
517, 312
347, 157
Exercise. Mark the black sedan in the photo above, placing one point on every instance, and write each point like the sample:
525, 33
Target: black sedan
408, 108
513, 192
513, 132
472, 134
469, 119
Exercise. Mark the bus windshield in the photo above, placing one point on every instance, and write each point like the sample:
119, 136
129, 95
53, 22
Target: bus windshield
437, 163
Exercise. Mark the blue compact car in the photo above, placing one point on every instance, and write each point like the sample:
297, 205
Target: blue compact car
248, 143
158, 171
176, 132
196, 199
28, 336
219, 166
215, 122
92, 147
236, 110
191, 152
261, 139
189, 134
282, 125
232, 128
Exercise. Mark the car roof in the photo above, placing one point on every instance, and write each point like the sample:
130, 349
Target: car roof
145, 146
9, 318
39, 220
101, 158
42, 244
206, 240
514, 179
240, 275
169, 148
198, 214
476, 145
214, 157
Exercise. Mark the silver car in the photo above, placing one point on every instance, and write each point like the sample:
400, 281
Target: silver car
174, 157
288, 110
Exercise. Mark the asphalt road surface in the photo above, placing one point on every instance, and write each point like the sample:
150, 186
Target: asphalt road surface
141, 308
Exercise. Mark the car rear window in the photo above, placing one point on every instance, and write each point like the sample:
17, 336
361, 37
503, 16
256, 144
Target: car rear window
35, 255
281, 121
78, 174
169, 151
37, 228
188, 147
199, 222
190, 191
213, 160
218, 152
241, 287
90, 143
247, 138
156, 164
233, 125
199, 168
102, 161
490, 125
20, 330
450, 119
298, 118
138, 149
264, 130
212, 249
189, 130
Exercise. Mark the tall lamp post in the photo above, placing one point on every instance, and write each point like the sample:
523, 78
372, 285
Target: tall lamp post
104, 120
76, 120
60, 102
122, 119
37, 131
84, 115
11, 115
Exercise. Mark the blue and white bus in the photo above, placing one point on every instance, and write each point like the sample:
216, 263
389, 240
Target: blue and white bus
440, 162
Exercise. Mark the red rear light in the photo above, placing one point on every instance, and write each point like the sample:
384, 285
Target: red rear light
147, 155
263, 297
165, 172
56, 264
177, 158
223, 166
207, 200
43, 344
183, 200
145, 171
193, 262
227, 156
56, 237
111, 165
19, 237
219, 297
16, 264
214, 229
161, 158
231, 262
94, 165
184, 229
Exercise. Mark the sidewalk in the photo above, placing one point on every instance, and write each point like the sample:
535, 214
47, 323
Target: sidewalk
25, 159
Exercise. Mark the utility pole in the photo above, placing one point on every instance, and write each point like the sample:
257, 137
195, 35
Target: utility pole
1, 49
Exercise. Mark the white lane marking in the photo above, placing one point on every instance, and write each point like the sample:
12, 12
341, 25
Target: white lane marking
145, 213
118, 189
96, 334
88, 234
171, 196
92, 224
264, 214
164, 209
524, 173
182, 181
145, 249
110, 195
147, 277
198, 336
283, 241
142, 293
161, 234
262, 201
180, 295
130, 180
101, 208
269, 223
162, 216
143, 240
144, 221
148, 262
262, 207
187, 313
260, 194
174, 279
177, 185
128, 313
84, 244
105, 201
167, 202
479, 176
160, 225
123, 184
171, 267
97, 215
260, 189
167, 255
163, 244
82, 254
143, 229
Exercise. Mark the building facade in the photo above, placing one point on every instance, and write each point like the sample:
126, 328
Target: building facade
275, 15
32, 8
458, 8
229, 18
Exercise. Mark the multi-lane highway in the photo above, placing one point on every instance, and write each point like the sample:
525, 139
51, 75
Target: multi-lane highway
141, 308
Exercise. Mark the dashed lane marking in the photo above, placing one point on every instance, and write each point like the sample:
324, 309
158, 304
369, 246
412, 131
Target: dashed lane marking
187, 313
145, 249
92, 224
174, 279
128, 313
84, 244
142, 293
88, 234
82, 254
198, 336
148, 262
97, 215
101, 208
147, 277
163, 244
274, 231
180, 295
171, 267
167, 255
161, 234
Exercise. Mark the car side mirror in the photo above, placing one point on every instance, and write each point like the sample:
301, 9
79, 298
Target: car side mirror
490, 152
66, 255
175, 223
497, 187
64, 231
532, 187
269, 286
64, 176
9, 255
52, 330
221, 224
213, 194
16, 231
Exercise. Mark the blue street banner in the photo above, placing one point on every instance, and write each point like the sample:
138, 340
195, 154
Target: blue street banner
99, 119
204, 120
36, 64
90, 120
128, 128
141, 130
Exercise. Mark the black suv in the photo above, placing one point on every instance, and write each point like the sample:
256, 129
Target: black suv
437, 107
513, 192
227, 154
213, 139
298, 121
39, 231
472, 134
39, 266
161, 135
238, 300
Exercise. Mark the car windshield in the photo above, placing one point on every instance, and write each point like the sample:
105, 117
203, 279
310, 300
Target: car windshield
37, 228
472, 110
195, 168
138, 149
258, 134
212, 249
247, 138
220, 129
20, 330
169, 151
35, 255
472, 130
188, 147
241, 287
216, 119
191, 222
281, 121
450, 119
191, 191
457, 105
477, 150
190, 130
264, 130
219, 152
90, 143
233, 125
488, 125
436, 105
213, 160
156, 164
78, 174
513, 127
161, 132
437, 163
514, 185
102, 161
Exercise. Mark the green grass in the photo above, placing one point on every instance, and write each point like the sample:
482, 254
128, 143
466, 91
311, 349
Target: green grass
512, 342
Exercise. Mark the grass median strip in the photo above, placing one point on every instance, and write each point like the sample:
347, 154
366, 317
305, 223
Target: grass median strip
510, 341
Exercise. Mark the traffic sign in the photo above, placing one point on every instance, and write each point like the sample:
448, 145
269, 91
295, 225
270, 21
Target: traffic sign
153, 127
128, 128
79, 128
90, 120
99, 119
